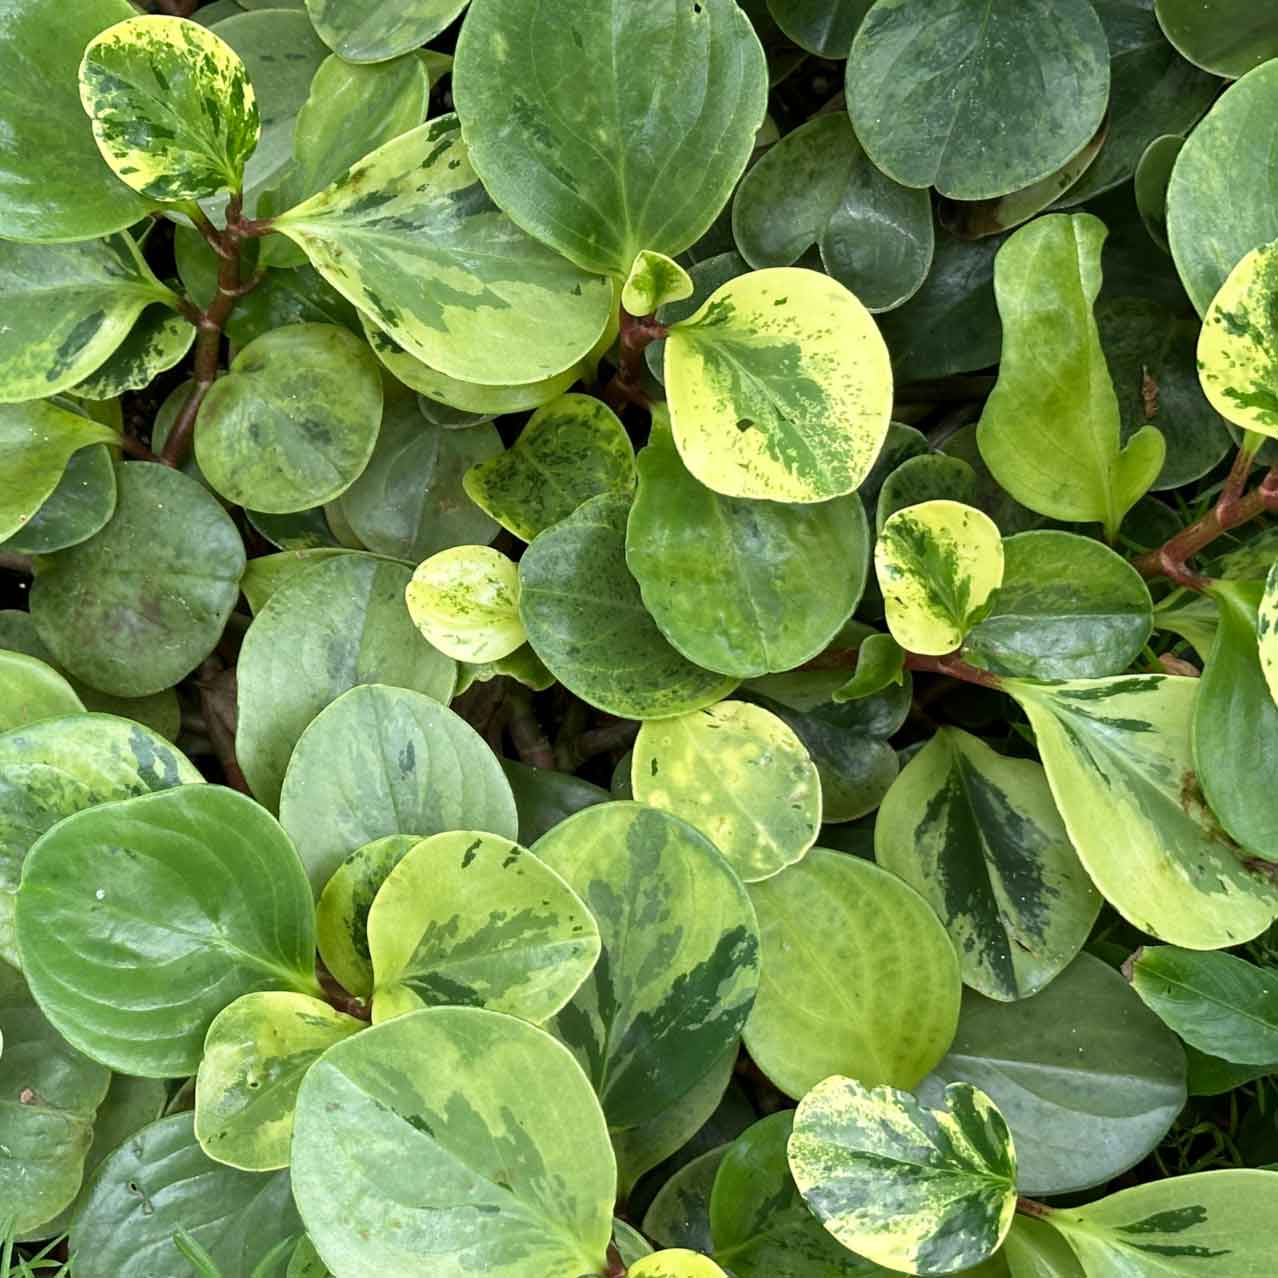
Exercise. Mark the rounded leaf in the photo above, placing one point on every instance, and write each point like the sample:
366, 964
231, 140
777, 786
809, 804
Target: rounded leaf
654, 280
30, 691
1226, 37
391, 28
78, 507
677, 1262
466, 602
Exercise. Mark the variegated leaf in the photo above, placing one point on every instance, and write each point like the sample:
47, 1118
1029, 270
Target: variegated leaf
654, 280
1267, 631
677, 1262
780, 388
255, 1056
172, 108
924, 1191
412, 239
159, 338
466, 602
680, 959
937, 563
463, 1141
1119, 760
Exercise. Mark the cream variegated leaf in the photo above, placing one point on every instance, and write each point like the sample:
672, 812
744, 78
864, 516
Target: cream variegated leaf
465, 600
1267, 632
675, 1262
654, 280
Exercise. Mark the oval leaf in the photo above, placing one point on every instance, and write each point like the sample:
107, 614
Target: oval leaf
1226, 37
466, 602
393, 27
30, 691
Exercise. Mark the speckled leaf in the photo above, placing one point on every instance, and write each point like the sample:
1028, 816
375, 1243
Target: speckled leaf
294, 421
951, 94
173, 111
411, 238
779, 388
341, 623
363, 34
1047, 276
67, 308
680, 960
1210, 1222
928, 477
707, 275
654, 280
469, 919
741, 776
937, 565
572, 449
465, 1141
466, 602
1267, 631
677, 1262
159, 338
568, 152
927, 1191
846, 946
160, 578
741, 586
1227, 37
30, 691
1087, 1079
160, 1181
1118, 758
586, 620
979, 836
382, 761
816, 187
1068, 608
49, 1094
255, 1056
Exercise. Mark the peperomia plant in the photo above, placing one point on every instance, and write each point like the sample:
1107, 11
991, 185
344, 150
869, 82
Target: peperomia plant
644, 639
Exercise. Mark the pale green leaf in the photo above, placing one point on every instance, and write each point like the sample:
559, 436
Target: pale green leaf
466, 602
30, 691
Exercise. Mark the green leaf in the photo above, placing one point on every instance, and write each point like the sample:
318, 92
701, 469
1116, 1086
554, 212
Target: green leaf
463, 1141
1267, 631
411, 238
680, 960
139, 921
148, 84
544, 798
937, 564
159, 339
466, 602
586, 620
393, 27
78, 507
654, 280
1213, 1222
927, 1191
1118, 758
1218, 205
266, 575
677, 1262
928, 477
30, 691
846, 946
1226, 37
1153, 174
1219, 1003
880, 663
823, 27
161, 579
68, 307
741, 776
410, 502
569, 152
736, 585
680, 1212
1035, 1250
1047, 277
160, 1181
1068, 608
779, 388
1236, 358
951, 95
473, 920
572, 449
979, 837
255, 1056
816, 187
382, 761
1087, 1079
55, 185
49, 1094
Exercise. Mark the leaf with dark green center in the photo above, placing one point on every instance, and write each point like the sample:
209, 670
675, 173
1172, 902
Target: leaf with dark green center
412, 239
30, 691
390, 28
845, 946
1227, 37
139, 921
586, 620
979, 837
501, 1160
680, 960
382, 761
172, 109
161, 577
470, 919
950, 94
1087, 1079
927, 1191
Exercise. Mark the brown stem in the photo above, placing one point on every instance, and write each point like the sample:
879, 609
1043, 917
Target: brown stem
626, 387
177, 8
13, 561
526, 732
615, 1267
1031, 1207
950, 664
338, 998
136, 448
217, 702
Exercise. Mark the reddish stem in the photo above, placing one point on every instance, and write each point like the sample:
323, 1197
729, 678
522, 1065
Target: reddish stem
1030, 1207
950, 664
626, 387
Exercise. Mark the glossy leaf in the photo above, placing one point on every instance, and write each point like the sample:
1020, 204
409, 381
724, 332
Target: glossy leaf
30, 691
1088, 1080
951, 95
927, 477
439, 1131
79, 506
779, 388
880, 662
266, 575
928, 1191
544, 797
470, 919
1035, 1250
466, 603
677, 1262
381, 761
823, 27
1227, 37
680, 1212
654, 280
680, 960
1153, 174
159, 339
1267, 632
391, 28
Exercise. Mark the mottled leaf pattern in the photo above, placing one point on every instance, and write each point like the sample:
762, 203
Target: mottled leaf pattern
466, 602
654, 280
